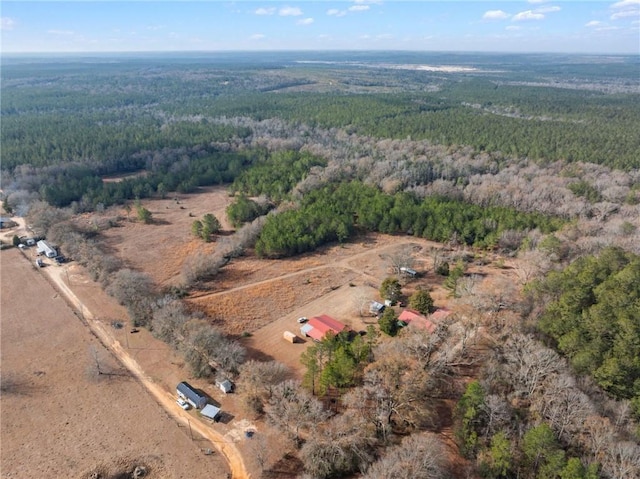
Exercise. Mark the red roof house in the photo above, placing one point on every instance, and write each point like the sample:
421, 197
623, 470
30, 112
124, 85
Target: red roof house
440, 313
318, 326
416, 320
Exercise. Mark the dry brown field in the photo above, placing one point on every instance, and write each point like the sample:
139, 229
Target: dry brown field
59, 417
257, 300
252, 299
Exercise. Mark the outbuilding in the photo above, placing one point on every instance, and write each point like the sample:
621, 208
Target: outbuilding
211, 411
191, 395
376, 308
408, 271
289, 336
225, 386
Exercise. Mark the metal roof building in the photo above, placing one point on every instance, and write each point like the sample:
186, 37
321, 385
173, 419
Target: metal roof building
191, 395
47, 249
211, 411
319, 326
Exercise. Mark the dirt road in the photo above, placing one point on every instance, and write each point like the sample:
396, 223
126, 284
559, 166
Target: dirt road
223, 445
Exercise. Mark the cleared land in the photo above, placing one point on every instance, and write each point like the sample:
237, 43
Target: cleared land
260, 297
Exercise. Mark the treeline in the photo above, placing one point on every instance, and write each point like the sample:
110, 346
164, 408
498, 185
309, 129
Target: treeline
276, 176
593, 315
184, 173
571, 126
108, 140
335, 212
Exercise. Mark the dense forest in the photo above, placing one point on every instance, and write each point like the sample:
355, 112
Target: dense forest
534, 157
592, 313
336, 212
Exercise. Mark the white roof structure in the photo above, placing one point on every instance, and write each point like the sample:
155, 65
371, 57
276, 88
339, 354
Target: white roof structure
225, 386
210, 411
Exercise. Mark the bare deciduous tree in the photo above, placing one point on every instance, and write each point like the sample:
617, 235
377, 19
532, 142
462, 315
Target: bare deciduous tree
401, 257
528, 362
344, 445
292, 409
135, 291
419, 456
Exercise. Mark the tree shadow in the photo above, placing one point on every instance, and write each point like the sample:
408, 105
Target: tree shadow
12, 384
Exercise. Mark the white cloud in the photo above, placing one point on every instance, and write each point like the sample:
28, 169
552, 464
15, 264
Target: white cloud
7, 23
626, 3
305, 21
60, 32
513, 28
538, 1
290, 12
257, 36
362, 2
625, 9
593, 23
359, 8
527, 15
265, 11
547, 9
336, 13
626, 13
495, 15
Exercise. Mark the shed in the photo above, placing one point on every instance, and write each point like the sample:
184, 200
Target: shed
289, 336
211, 411
376, 308
408, 271
191, 395
225, 386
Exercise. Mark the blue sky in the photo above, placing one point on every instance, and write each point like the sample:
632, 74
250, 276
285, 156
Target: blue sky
453, 25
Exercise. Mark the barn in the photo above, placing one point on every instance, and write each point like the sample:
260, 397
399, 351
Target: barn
191, 395
318, 326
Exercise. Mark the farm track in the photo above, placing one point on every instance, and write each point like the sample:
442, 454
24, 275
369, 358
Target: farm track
223, 445
341, 263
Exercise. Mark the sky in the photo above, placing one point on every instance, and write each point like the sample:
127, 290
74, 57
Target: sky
564, 26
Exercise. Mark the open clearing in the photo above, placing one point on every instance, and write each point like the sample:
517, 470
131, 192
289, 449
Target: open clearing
254, 300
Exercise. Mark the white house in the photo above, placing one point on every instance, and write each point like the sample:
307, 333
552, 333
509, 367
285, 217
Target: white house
47, 249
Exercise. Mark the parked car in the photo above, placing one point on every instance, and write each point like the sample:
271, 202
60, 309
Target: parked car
302, 320
182, 403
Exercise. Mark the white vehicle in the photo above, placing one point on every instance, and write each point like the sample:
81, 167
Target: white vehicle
182, 403
302, 320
